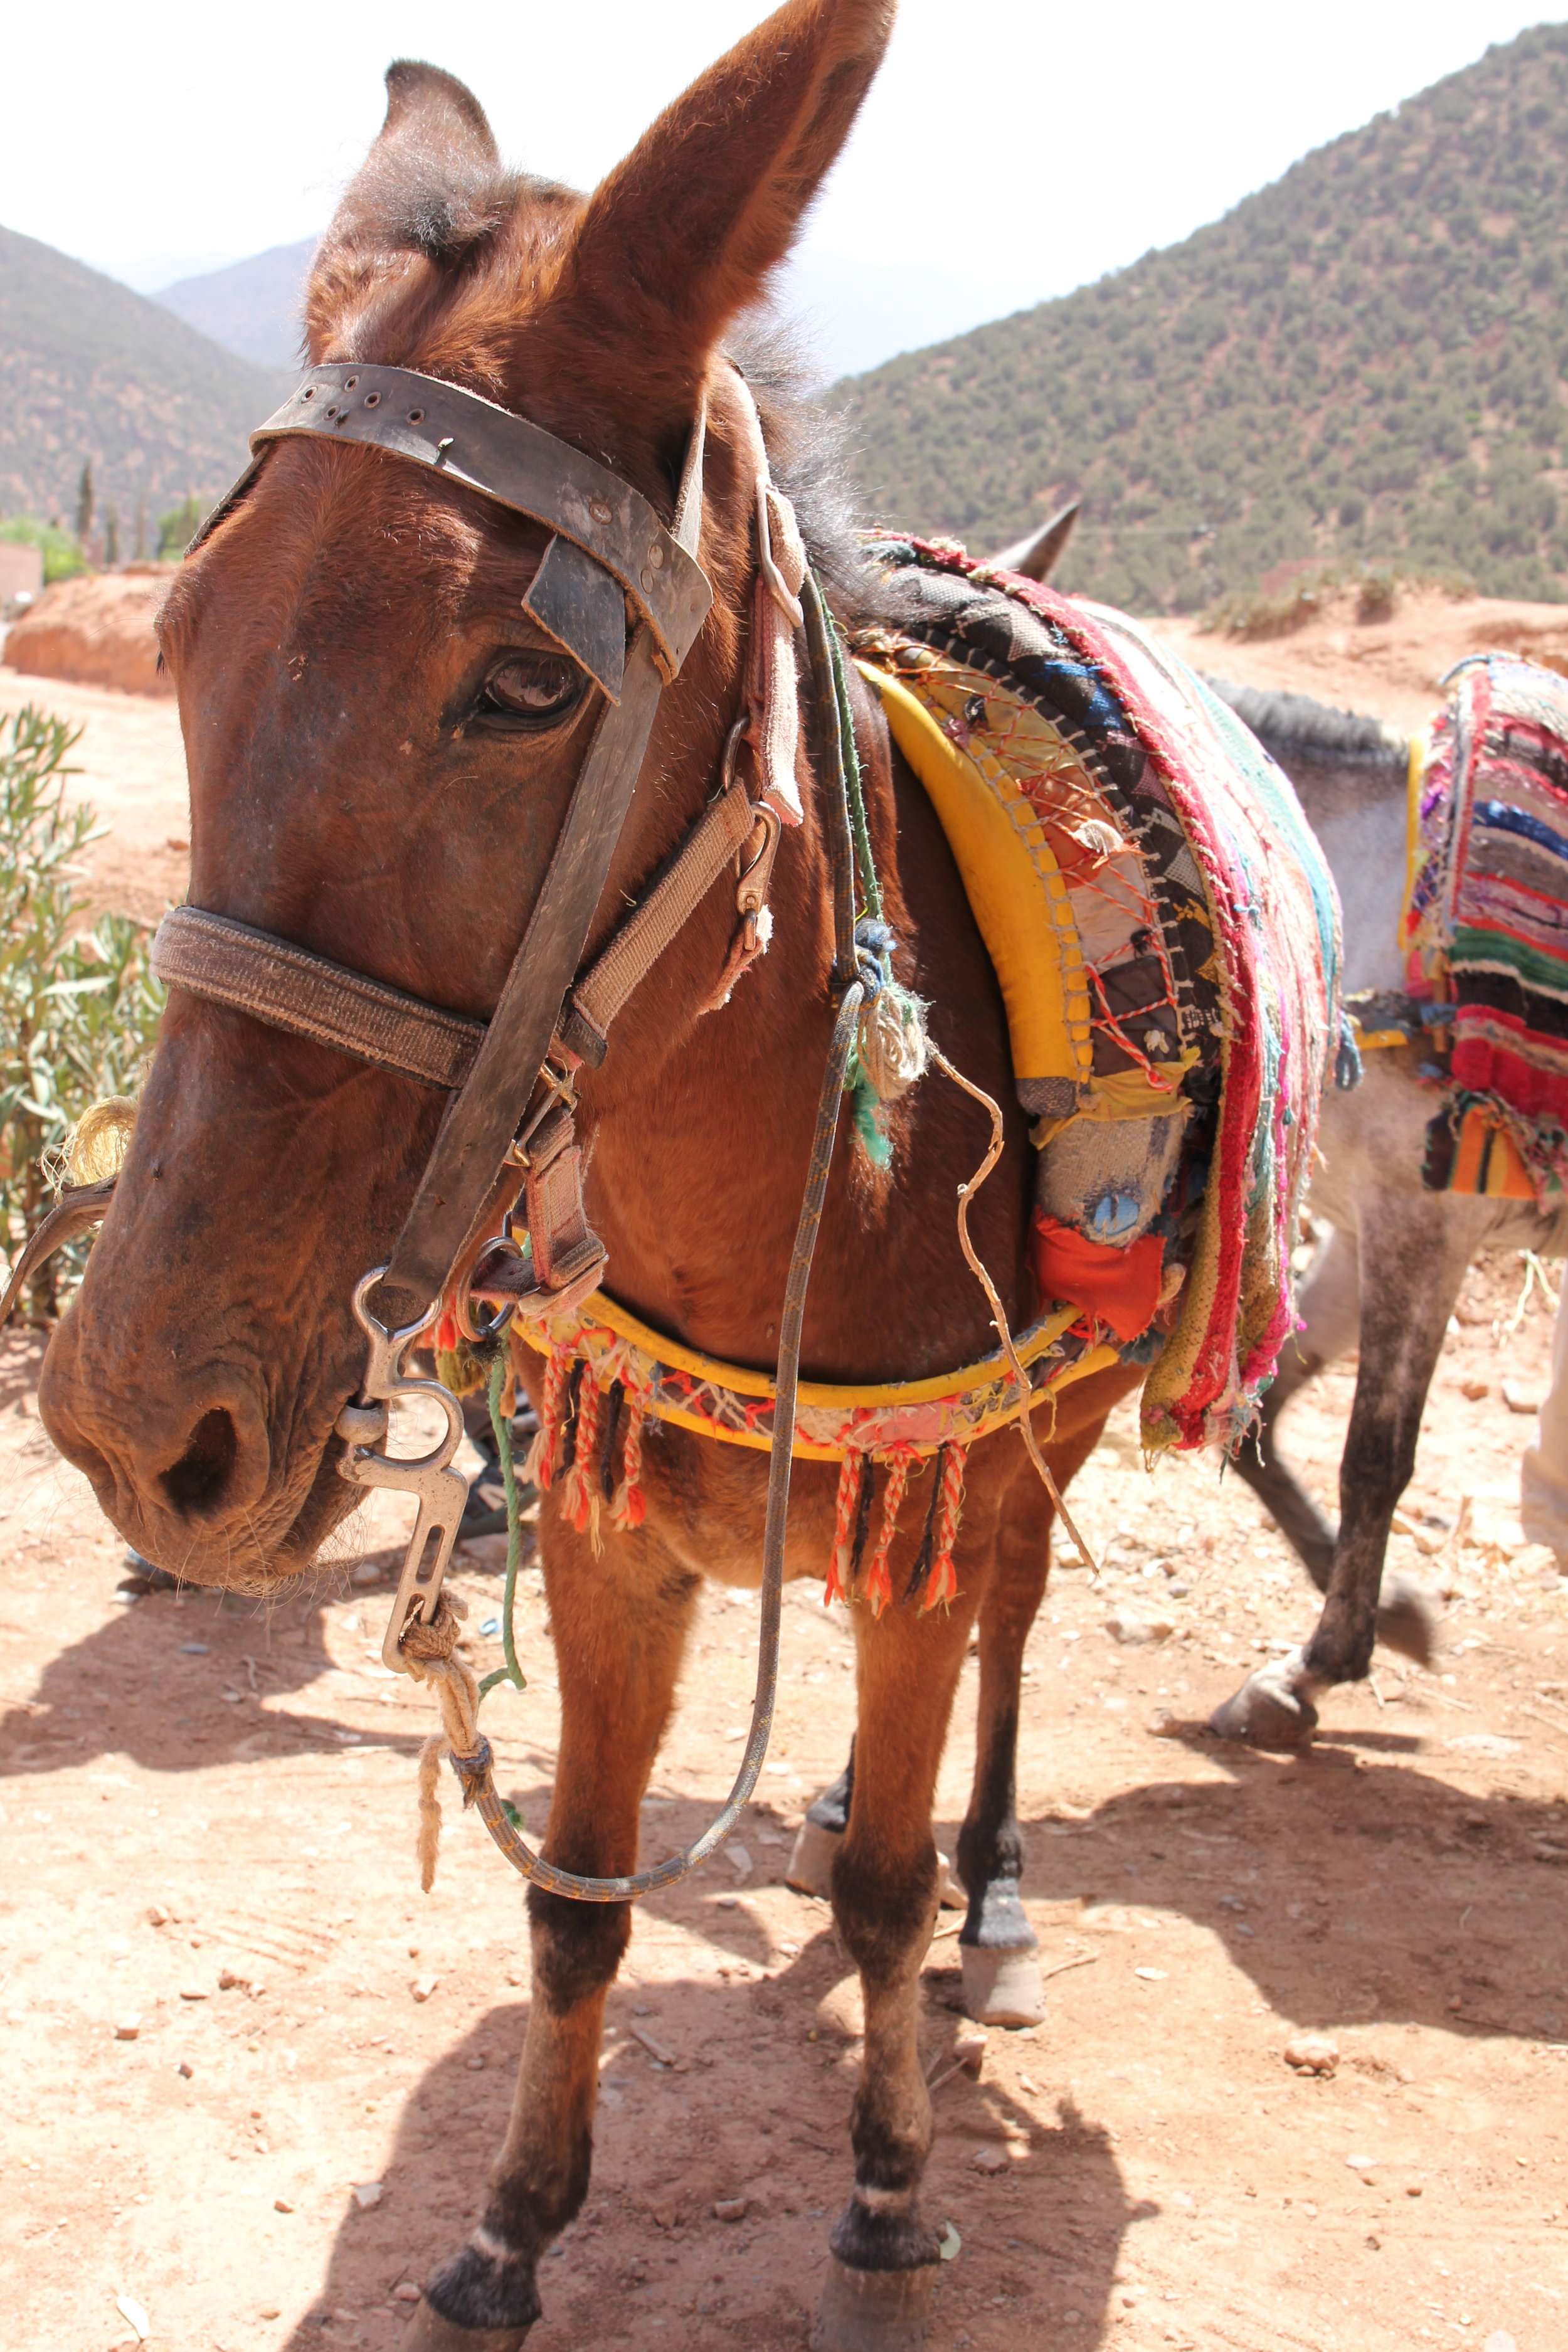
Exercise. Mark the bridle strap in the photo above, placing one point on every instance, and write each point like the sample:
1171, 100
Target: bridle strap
482, 1120
609, 547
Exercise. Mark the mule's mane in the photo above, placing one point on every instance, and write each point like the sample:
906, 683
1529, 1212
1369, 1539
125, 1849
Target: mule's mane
1294, 722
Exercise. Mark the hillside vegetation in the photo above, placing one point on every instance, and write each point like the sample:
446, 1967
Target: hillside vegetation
92, 373
1365, 361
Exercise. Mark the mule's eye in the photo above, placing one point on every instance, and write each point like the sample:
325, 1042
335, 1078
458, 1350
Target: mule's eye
532, 685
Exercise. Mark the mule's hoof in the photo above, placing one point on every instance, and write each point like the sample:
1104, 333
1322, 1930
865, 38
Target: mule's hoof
872, 2311
428, 2332
1408, 1615
1003, 1986
1267, 1711
950, 1887
810, 1868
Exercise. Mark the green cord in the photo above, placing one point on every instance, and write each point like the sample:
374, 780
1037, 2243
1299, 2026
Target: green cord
851, 758
511, 1672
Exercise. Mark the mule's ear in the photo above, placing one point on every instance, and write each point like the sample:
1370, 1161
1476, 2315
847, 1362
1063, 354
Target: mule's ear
432, 184
681, 236
1037, 557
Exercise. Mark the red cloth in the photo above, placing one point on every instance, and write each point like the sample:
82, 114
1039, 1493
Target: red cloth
1119, 1287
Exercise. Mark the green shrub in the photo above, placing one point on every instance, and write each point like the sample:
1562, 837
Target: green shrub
62, 556
78, 1009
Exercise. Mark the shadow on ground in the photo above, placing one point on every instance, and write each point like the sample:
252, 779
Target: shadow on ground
751, 2108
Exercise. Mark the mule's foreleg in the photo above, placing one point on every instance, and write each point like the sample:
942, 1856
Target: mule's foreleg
885, 1904
1413, 1254
1002, 1984
619, 1626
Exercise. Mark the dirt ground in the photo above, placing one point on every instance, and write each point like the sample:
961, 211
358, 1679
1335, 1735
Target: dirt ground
207, 1814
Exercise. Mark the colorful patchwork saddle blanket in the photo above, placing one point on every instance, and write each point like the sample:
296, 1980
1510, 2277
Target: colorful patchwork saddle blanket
1486, 927
1165, 934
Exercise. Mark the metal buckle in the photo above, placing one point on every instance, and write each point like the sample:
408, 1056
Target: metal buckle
441, 1491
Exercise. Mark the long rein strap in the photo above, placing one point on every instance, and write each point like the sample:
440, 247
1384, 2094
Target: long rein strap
469, 1751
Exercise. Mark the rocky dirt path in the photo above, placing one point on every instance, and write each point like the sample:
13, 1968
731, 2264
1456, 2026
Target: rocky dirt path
208, 1813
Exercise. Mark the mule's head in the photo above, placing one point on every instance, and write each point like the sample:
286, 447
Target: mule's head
382, 744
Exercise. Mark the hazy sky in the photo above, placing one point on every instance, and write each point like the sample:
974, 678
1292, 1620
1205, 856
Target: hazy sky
1024, 142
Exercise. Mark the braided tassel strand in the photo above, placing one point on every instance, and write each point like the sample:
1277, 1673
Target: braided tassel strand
580, 1488
841, 1560
941, 1583
543, 1454
878, 1584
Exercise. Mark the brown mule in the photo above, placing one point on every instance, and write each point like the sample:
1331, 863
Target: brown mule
382, 745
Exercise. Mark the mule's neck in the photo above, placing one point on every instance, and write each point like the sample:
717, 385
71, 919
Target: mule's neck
700, 1125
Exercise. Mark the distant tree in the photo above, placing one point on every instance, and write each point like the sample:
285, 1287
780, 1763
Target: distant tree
84, 502
139, 545
176, 529
111, 536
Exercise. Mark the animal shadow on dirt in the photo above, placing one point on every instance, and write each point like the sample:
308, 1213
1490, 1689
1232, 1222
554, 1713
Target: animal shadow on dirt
740, 2091
1349, 1894
134, 1687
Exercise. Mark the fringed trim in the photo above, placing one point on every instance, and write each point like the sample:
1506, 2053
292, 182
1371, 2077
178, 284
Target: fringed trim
627, 1507
940, 1580
544, 1454
878, 1584
580, 1490
841, 1560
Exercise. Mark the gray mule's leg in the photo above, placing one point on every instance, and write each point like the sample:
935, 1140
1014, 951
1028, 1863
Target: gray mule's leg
1329, 1302
1413, 1253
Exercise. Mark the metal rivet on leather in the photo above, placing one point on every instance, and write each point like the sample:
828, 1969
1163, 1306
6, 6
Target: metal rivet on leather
350, 381
372, 399
647, 577
656, 556
332, 412
599, 509
308, 392
417, 416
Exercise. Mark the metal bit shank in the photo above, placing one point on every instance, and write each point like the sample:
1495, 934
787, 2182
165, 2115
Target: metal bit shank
440, 1490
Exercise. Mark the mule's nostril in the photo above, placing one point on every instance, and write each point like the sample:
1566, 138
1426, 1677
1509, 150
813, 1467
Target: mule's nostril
205, 1468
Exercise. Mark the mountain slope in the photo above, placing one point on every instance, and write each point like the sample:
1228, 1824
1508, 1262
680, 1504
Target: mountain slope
1365, 360
90, 370
252, 307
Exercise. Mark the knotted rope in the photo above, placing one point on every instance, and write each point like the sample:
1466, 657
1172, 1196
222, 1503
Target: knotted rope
431, 1651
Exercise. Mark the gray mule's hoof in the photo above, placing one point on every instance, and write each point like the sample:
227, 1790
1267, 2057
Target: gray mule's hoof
810, 1868
1409, 1612
428, 2332
1268, 1710
873, 2311
1003, 1986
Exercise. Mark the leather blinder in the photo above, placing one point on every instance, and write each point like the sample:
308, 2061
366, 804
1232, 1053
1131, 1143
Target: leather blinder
583, 608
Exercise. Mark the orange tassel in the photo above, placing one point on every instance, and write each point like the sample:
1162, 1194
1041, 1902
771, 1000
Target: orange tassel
447, 1334
840, 1561
942, 1584
878, 1584
580, 1490
539, 1470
